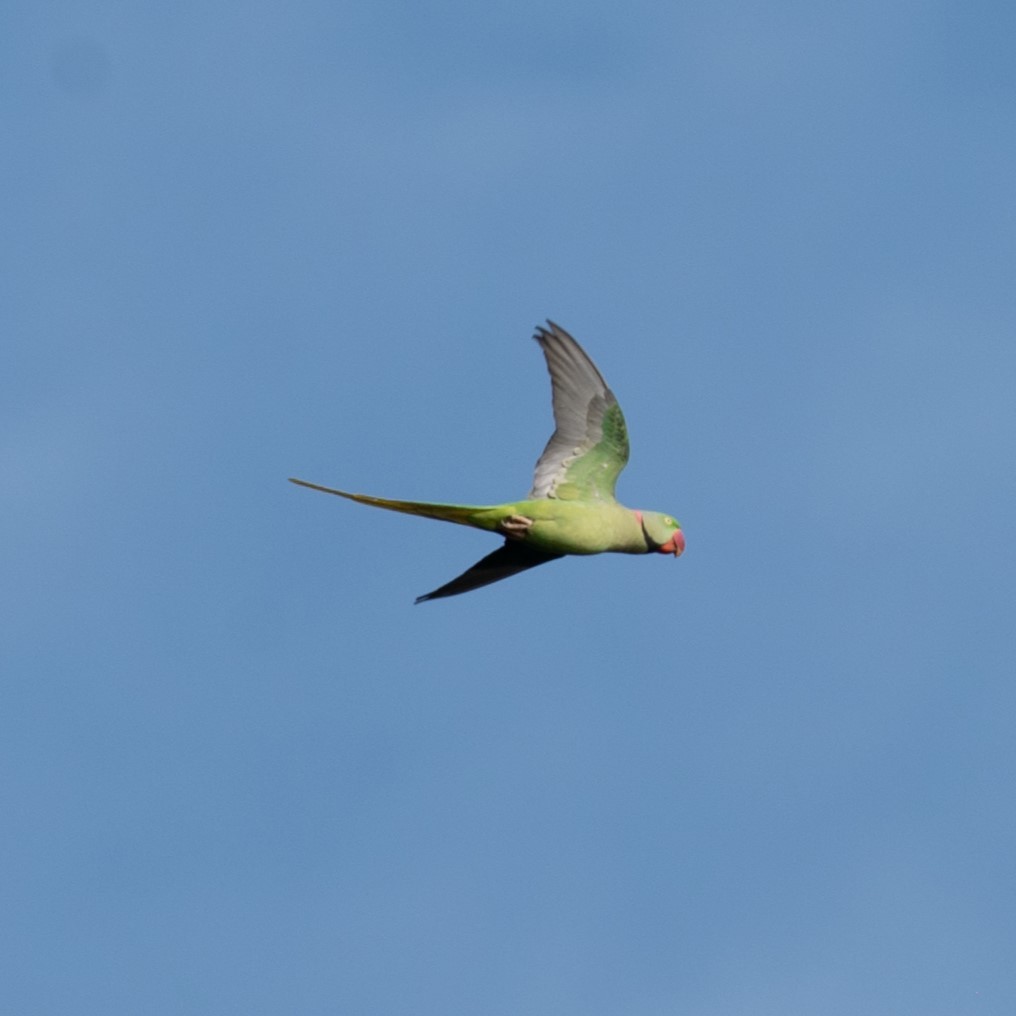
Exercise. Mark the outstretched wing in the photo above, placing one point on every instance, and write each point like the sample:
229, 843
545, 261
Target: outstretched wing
506, 561
589, 446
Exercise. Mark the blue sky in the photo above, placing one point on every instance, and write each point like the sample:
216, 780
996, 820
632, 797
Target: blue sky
241, 772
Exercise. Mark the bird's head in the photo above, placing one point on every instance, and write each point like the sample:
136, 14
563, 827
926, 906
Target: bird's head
663, 533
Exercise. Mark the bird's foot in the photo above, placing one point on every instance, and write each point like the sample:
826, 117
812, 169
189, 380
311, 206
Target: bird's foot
516, 526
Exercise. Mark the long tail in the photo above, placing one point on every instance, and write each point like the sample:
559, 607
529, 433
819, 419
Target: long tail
479, 516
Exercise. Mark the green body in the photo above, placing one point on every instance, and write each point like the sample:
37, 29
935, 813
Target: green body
568, 527
558, 527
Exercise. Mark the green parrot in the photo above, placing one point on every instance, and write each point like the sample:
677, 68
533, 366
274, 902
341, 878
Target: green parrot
571, 508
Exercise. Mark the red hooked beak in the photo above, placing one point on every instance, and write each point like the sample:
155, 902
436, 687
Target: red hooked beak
675, 545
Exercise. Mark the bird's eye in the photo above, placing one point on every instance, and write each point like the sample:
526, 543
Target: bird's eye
668, 521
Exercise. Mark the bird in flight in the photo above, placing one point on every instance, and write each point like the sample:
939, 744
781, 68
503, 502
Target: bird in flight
571, 508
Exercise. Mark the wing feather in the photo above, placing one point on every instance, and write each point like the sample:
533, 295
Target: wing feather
589, 446
509, 559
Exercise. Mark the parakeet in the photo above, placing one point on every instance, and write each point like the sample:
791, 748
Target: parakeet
571, 508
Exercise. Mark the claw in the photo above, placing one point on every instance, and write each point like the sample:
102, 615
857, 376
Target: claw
516, 526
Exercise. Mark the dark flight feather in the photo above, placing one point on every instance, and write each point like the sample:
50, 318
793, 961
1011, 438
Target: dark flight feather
506, 561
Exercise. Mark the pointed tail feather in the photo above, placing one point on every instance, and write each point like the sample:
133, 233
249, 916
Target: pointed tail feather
466, 515
506, 561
